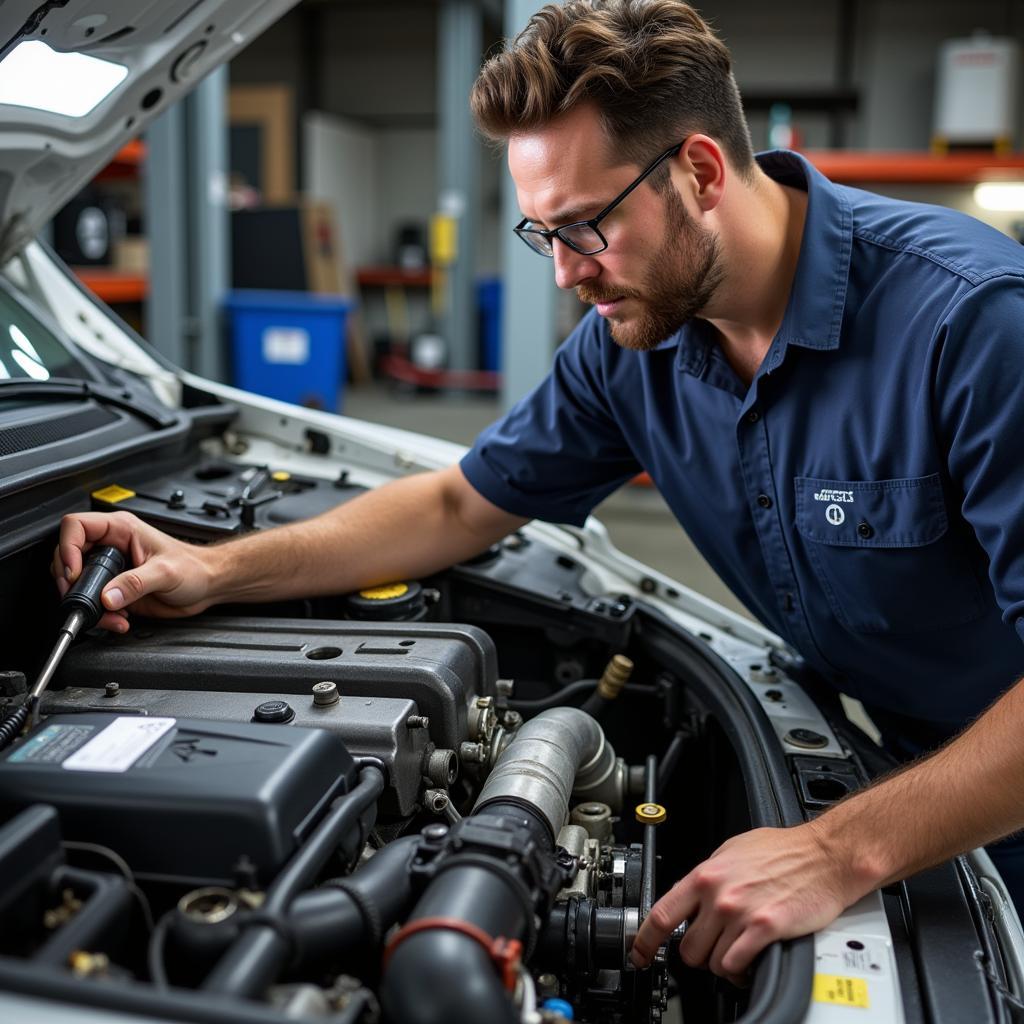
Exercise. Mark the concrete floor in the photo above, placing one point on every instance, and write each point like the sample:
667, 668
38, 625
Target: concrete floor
637, 518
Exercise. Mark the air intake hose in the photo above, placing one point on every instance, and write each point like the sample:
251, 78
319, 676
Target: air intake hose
493, 876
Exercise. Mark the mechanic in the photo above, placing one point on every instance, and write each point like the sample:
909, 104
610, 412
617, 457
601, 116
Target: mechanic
825, 385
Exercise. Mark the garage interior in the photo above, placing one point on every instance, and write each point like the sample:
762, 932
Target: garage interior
319, 223
347, 126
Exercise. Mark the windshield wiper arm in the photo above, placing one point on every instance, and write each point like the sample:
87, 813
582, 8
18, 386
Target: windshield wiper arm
105, 394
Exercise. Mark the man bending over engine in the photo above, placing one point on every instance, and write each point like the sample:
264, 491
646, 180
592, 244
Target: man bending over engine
826, 385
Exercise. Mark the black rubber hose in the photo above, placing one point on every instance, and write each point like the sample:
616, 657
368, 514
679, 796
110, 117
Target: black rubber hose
553, 700
669, 760
441, 975
562, 696
106, 907
332, 920
329, 921
253, 962
444, 975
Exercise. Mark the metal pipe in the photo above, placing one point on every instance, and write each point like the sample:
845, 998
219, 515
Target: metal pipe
650, 838
67, 634
559, 753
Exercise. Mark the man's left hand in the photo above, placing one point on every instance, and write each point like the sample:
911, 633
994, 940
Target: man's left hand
760, 886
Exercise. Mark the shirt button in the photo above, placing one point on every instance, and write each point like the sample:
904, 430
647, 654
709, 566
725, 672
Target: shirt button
753, 416
764, 501
865, 530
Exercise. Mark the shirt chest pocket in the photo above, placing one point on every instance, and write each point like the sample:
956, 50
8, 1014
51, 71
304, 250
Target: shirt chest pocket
884, 554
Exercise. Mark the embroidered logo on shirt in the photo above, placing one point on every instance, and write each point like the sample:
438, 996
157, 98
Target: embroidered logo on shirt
827, 494
835, 515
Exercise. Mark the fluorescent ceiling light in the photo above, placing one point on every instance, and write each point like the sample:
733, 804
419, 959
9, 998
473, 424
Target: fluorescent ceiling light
33, 75
1000, 195
20, 338
26, 356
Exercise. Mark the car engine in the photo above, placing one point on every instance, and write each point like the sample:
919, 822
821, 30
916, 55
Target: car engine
340, 809
270, 753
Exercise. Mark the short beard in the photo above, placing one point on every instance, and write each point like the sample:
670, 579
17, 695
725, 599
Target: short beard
682, 280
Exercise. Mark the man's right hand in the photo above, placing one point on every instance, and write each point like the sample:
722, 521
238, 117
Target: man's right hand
168, 578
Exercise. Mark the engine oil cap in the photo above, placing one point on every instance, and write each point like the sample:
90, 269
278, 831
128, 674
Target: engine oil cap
393, 602
650, 814
273, 711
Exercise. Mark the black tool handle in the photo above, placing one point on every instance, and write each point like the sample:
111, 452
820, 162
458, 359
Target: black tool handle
101, 566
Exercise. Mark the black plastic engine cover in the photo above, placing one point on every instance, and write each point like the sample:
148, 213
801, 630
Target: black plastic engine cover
437, 665
187, 803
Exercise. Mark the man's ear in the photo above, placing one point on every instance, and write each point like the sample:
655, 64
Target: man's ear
704, 169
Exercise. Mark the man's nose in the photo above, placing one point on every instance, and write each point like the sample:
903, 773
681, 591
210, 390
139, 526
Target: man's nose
572, 268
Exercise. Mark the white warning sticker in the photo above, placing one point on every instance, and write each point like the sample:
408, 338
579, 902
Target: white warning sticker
119, 745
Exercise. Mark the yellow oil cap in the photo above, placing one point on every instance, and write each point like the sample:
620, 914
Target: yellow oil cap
385, 593
280, 475
650, 814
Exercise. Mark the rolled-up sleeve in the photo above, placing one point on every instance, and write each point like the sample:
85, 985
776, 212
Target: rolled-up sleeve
559, 451
979, 406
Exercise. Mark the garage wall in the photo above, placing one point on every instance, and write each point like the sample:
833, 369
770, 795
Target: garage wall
377, 66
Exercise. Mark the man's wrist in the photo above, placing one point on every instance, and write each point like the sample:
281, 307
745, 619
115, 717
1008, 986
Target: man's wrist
219, 566
847, 837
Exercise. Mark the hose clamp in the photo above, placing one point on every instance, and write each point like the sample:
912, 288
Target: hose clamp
505, 954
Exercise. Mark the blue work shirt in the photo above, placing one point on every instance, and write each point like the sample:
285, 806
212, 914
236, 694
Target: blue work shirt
863, 495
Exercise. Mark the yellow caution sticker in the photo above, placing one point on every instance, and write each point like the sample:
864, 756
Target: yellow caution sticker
280, 475
385, 593
839, 991
113, 494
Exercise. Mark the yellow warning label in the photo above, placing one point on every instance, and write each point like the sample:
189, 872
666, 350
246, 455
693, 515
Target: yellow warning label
386, 592
113, 494
831, 988
280, 476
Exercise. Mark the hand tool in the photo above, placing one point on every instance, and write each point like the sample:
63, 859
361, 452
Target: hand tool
83, 608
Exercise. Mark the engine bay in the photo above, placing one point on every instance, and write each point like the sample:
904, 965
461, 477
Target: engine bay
443, 799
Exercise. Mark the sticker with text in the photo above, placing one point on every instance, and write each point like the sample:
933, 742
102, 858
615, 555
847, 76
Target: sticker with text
839, 991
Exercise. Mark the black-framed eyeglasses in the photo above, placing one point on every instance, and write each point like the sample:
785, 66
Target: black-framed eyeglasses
583, 236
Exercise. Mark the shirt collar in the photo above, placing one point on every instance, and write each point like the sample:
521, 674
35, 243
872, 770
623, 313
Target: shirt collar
814, 313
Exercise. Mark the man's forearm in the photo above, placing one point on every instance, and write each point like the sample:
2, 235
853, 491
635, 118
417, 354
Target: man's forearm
402, 530
965, 795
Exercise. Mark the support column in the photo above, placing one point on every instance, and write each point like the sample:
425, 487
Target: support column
528, 314
459, 52
210, 259
166, 228
186, 222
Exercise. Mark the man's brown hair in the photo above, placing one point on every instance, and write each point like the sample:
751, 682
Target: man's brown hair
654, 70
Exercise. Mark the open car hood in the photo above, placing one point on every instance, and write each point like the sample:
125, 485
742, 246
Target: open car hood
153, 52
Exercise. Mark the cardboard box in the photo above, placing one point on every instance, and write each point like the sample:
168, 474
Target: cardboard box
262, 132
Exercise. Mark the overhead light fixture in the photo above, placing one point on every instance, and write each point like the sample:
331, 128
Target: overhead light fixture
1000, 195
34, 75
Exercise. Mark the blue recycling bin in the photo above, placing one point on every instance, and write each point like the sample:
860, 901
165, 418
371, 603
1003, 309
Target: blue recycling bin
290, 345
488, 302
